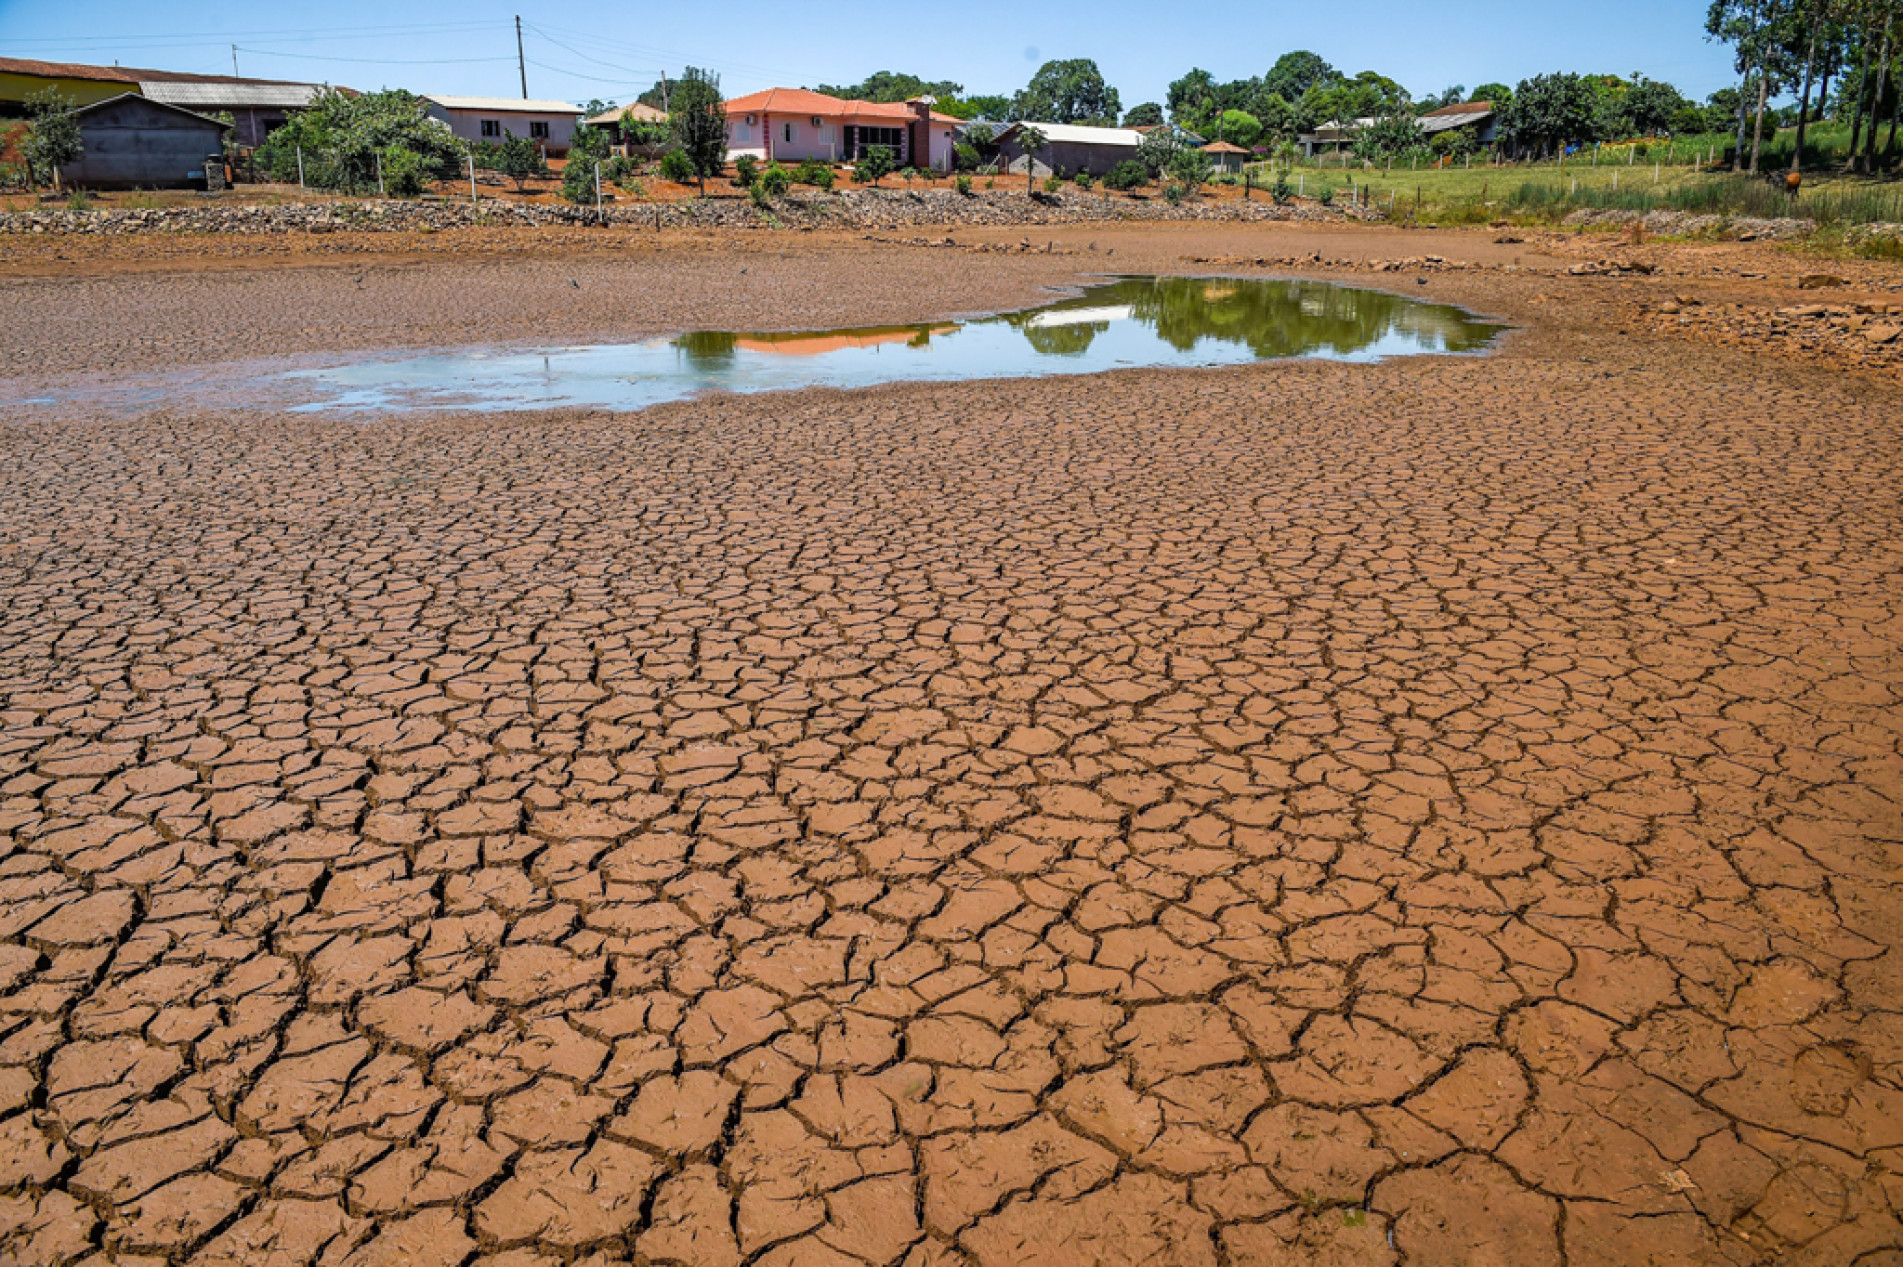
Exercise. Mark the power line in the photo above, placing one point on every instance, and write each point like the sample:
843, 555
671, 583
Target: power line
376, 61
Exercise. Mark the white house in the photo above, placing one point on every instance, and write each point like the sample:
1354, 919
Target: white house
552, 123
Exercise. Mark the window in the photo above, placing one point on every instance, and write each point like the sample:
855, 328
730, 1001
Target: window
539, 131
491, 127
789, 133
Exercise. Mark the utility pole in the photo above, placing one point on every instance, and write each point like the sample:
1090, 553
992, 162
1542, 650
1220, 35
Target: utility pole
234, 63
521, 64
664, 109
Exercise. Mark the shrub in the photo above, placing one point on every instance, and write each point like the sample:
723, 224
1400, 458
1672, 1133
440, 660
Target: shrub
628, 185
1190, 168
1129, 174
873, 165
962, 183
1326, 197
342, 135
815, 173
676, 166
1084, 181
1281, 191
403, 172
79, 200
908, 174
991, 183
578, 179
757, 192
965, 157
52, 139
1052, 184
775, 180
1173, 194
520, 159
745, 169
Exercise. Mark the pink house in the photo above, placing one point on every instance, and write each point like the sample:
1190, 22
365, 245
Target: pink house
792, 124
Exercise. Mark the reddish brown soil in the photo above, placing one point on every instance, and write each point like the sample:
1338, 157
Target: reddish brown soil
1444, 812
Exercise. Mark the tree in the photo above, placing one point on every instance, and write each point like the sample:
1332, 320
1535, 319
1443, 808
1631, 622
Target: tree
596, 106
1147, 115
873, 163
52, 139
1192, 99
1238, 127
1190, 168
1295, 73
1499, 96
658, 97
520, 159
699, 120
1071, 91
1157, 148
342, 137
1389, 137
1031, 139
1550, 111
891, 85
979, 106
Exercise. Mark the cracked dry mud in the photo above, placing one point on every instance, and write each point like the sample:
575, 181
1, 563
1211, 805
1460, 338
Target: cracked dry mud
1442, 812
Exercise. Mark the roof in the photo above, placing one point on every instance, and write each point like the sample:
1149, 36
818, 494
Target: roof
804, 101
1470, 107
634, 109
1079, 134
1445, 121
115, 74
227, 96
502, 105
1223, 147
124, 97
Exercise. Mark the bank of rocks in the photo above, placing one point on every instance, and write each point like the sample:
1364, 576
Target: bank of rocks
851, 209
1686, 224
1867, 334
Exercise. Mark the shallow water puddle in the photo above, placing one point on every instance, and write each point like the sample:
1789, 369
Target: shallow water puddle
1133, 322
1126, 323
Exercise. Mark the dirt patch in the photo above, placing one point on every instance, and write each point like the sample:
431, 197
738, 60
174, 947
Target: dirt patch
1304, 812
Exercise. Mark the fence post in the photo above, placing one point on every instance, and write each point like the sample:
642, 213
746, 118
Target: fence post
300, 167
598, 191
472, 178
378, 154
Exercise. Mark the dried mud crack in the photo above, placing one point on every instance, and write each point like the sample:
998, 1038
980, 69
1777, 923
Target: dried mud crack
1437, 812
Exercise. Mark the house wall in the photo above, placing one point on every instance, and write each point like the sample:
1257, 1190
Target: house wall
140, 144
467, 125
15, 88
767, 136
1070, 157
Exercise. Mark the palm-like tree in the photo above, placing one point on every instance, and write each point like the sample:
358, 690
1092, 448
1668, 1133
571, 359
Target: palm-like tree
1031, 139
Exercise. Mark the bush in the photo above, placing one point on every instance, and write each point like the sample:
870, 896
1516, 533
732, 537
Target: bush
1052, 184
1084, 181
965, 157
1174, 195
1190, 168
775, 180
746, 169
1326, 197
962, 183
520, 159
757, 192
1129, 174
908, 174
815, 173
342, 135
873, 165
578, 179
404, 175
79, 200
676, 166
1281, 191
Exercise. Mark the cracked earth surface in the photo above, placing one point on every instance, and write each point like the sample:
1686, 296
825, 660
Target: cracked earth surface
1439, 812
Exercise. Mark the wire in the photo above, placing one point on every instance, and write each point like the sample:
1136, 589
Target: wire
265, 34
374, 61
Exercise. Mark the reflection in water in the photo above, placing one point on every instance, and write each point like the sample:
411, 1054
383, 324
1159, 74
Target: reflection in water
1158, 322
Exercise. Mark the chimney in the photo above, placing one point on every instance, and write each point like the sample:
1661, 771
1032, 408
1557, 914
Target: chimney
921, 156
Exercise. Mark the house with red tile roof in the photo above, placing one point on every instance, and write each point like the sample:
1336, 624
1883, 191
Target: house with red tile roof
790, 125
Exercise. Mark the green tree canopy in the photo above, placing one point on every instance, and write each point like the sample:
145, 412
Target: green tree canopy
1499, 94
1147, 115
1295, 73
1549, 111
1071, 91
892, 85
52, 139
342, 137
1238, 127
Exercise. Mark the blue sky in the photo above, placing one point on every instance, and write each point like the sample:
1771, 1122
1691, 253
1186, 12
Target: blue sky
581, 50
